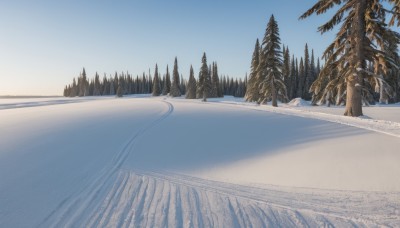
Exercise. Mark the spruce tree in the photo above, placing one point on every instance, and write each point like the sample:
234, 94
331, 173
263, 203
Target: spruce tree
96, 90
252, 93
191, 86
361, 39
306, 74
293, 79
175, 91
156, 91
167, 83
120, 91
286, 69
272, 87
300, 77
112, 89
204, 78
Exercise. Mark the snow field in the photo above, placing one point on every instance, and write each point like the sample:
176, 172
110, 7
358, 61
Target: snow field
154, 162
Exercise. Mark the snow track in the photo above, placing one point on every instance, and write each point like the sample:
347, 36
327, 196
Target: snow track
72, 209
152, 199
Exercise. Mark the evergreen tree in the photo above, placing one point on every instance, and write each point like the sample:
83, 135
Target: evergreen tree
73, 92
156, 91
82, 84
112, 90
361, 39
175, 91
96, 90
272, 87
252, 93
191, 87
167, 83
286, 69
120, 91
301, 77
204, 78
306, 75
293, 79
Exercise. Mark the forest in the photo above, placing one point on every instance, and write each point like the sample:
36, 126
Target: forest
360, 67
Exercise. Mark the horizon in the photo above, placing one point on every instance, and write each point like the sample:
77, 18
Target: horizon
47, 44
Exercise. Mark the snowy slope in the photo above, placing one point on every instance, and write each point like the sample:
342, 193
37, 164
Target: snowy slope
151, 162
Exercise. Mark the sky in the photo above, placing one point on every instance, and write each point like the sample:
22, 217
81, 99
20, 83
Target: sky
44, 44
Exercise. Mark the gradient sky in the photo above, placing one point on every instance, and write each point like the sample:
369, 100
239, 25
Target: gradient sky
44, 44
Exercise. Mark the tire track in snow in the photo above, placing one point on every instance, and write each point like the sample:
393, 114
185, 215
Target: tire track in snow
72, 210
194, 202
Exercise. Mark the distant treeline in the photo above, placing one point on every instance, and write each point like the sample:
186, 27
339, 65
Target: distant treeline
125, 83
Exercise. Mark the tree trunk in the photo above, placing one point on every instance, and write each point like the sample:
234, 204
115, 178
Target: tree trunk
273, 91
355, 80
353, 99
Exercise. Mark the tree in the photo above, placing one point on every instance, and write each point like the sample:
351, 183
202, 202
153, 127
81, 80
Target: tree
112, 90
306, 74
191, 87
156, 91
175, 91
252, 93
167, 83
361, 39
272, 87
204, 79
120, 91
286, 69
293, 79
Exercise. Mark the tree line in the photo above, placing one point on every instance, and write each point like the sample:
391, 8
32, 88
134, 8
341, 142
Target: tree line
176, 85
361, 66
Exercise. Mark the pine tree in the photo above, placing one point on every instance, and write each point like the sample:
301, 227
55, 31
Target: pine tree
175, 91
96, 91
306, 74
112, 90
191, 87
214, 82
156, 91
120, 91
73, 92
293, 79
204, 79
167, 83
82, 84
272, 87
286, 69
252, 93
361, 38
182, 85
300, 76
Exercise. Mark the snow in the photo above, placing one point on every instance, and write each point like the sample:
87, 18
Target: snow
297, 102
153, 162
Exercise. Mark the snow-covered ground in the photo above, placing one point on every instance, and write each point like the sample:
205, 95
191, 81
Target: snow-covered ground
155, 162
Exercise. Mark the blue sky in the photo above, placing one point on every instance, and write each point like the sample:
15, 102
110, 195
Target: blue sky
44, 44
